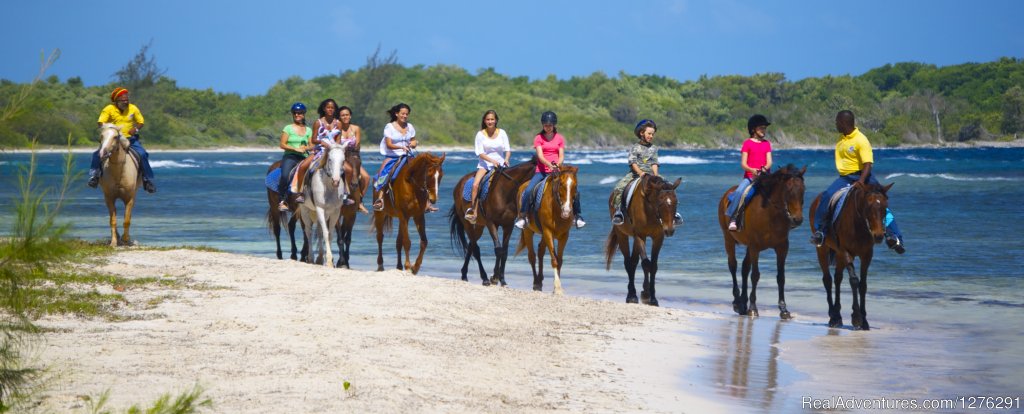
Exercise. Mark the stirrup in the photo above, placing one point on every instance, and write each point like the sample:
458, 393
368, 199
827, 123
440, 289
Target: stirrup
470, 215
618, 218
521, 222
282, 207
300, 199
378, 204
818, 238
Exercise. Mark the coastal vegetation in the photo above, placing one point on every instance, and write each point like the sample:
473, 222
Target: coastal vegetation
898, 104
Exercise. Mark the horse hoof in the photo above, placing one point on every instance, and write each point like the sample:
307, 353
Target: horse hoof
631, 299
464, 278
741, 310
753, 312
486, 282
380, 268
537, 288
785, 315
644, 296
501, 282
864, 325
653, 302
835, 323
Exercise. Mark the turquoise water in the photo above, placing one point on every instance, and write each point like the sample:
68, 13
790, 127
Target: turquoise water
956, 294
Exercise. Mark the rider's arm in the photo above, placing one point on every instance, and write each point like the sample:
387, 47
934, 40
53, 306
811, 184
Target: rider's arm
540, 157
286, 147
865, 171
316, 139
508, 155
561, 156
743, 163
654, 168
768, 164
358, 135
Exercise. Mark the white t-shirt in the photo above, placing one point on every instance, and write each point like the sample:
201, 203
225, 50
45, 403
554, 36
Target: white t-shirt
396, 139
492, 148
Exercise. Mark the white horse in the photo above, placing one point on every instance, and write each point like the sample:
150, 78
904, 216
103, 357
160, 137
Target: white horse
324, 197
120, 179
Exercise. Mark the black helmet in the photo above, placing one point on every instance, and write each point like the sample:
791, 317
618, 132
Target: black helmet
642, 125
549, 118
756, 121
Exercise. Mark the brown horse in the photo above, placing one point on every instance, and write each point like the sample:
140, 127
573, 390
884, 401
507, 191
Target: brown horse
497, 210
412, 191
860, 225
120, 180
650, 213
775, 209
552, 220
357, 187
275, 219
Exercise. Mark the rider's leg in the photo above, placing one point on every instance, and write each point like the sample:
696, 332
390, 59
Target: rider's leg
300, 175
287, 163
821, 213
471, 213
737, 198
524, 205
95, 169
147, 170
620, 187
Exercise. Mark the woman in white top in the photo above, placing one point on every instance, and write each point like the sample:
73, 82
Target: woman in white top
399, 139
491, 144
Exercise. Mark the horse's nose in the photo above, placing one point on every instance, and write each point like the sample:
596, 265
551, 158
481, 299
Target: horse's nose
670, 231
878, 239
336, 182
795, 222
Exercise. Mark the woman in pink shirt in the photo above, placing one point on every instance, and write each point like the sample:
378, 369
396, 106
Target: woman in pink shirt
550, 147
756, 159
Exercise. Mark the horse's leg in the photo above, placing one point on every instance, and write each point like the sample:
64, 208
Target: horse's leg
855, 294
475, 234
640, 252
865, 261
421, 228
325, 234
549, 243
780, 262
826, 281
275, 227
126, 237
837, 281
539, 279
378, 224
492, 230
500, 253
730, 251
467, 256
112, 209
629, 261
403, 233
344, 231
562, 241
755, 276
745, 274
527, 238
656, 242
306, 233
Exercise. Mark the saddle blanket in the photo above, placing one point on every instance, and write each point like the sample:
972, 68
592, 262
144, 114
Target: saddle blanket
273, 179
837, 202
393, 163
467, 189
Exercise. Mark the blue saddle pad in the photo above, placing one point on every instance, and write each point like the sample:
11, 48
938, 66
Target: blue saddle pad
393, 163
467, 190
273, 179
837, 202
538, 194
746, 200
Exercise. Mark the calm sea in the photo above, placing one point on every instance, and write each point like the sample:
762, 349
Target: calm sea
956, 293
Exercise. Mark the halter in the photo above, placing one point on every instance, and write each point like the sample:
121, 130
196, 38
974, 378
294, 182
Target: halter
861, 209
657, 205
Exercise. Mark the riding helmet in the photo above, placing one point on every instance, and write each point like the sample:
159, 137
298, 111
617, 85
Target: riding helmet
549, 118
756, 121
298, 107
642, 125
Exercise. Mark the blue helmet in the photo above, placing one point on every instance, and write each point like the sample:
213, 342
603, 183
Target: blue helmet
298, 107
549, 118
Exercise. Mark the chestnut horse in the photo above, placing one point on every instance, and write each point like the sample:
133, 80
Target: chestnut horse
650, 213
412, 191
859, 226
775, 209
357, 187
275, 218
497, 210
552, 220
119, 181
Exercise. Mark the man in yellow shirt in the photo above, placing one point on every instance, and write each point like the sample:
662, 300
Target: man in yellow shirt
854, 160
129, 119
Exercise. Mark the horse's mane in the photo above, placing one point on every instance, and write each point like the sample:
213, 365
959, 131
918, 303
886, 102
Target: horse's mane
765, 184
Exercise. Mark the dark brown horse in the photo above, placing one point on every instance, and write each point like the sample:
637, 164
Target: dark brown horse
552, 220
275, 218
497, 210
412, 191
357, 187
775, 209
860, 225
650, 213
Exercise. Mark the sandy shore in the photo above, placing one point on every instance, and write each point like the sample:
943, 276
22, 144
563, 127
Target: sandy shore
263, 335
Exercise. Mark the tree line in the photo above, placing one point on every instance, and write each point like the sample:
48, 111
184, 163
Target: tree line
896, 104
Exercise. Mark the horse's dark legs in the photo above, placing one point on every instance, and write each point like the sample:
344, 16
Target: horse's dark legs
527, 238
855, 318
629, 261
755, 276
379, 226
640, 248
655, 250
538, 280
421, 228
745, 274
834, 319
864, 263
468, 253
837, 282
780, 262
275, 227
506, 235
730, 251
480, 264
400, 243
291, 236
344, 241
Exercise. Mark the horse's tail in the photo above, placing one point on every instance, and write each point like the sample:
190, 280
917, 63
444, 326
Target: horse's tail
384, 220
457, 232
521, 246
609, 248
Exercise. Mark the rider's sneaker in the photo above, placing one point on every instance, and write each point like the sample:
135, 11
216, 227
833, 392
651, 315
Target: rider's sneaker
149, 186
348, 202
732, 226
818, 238
895, 244
678, 220
282, 207
300, 199
617, 219
580, 223
378, 205
93, 181
521, 222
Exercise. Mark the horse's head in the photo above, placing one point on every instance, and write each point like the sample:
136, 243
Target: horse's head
872, 206
433, 171
355, 161
661, 195
335, 157
110, 140
565, 183
784, 189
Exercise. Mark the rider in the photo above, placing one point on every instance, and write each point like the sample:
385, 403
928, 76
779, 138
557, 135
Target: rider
128, 119
756, 159
295, 143
327, 128
491, 142
350, 131
854, 161
550, 147
643, 159
399, 139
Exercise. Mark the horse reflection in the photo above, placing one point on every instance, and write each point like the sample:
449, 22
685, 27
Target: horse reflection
744, 371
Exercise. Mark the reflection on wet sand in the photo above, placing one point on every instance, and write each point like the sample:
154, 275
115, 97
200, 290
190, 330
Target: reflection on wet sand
748, 369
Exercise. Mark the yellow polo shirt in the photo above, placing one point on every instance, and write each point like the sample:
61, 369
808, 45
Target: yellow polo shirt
124, 120
852, 151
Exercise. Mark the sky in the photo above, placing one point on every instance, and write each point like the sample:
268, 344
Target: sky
246, 47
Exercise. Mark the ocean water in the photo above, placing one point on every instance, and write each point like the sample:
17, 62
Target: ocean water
950, 308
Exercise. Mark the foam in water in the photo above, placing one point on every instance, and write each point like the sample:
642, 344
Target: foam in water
239, 163
171, 164
608, 180
952, 177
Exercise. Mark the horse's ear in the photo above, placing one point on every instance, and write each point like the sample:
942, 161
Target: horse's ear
804, 170
676, 184
442, 157
885, 190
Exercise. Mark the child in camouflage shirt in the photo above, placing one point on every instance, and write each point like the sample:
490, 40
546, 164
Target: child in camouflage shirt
643, 159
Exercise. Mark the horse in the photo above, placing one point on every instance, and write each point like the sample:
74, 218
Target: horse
650, 215
357, 186
119, 181
859, 226
497, 210
322, 204
413, 188
552, 220
275, 218
775, 209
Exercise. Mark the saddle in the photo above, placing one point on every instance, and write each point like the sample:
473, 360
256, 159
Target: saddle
627, 196
836, 203
389, 172
534, 199
467, 189
748, 194
274, 177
